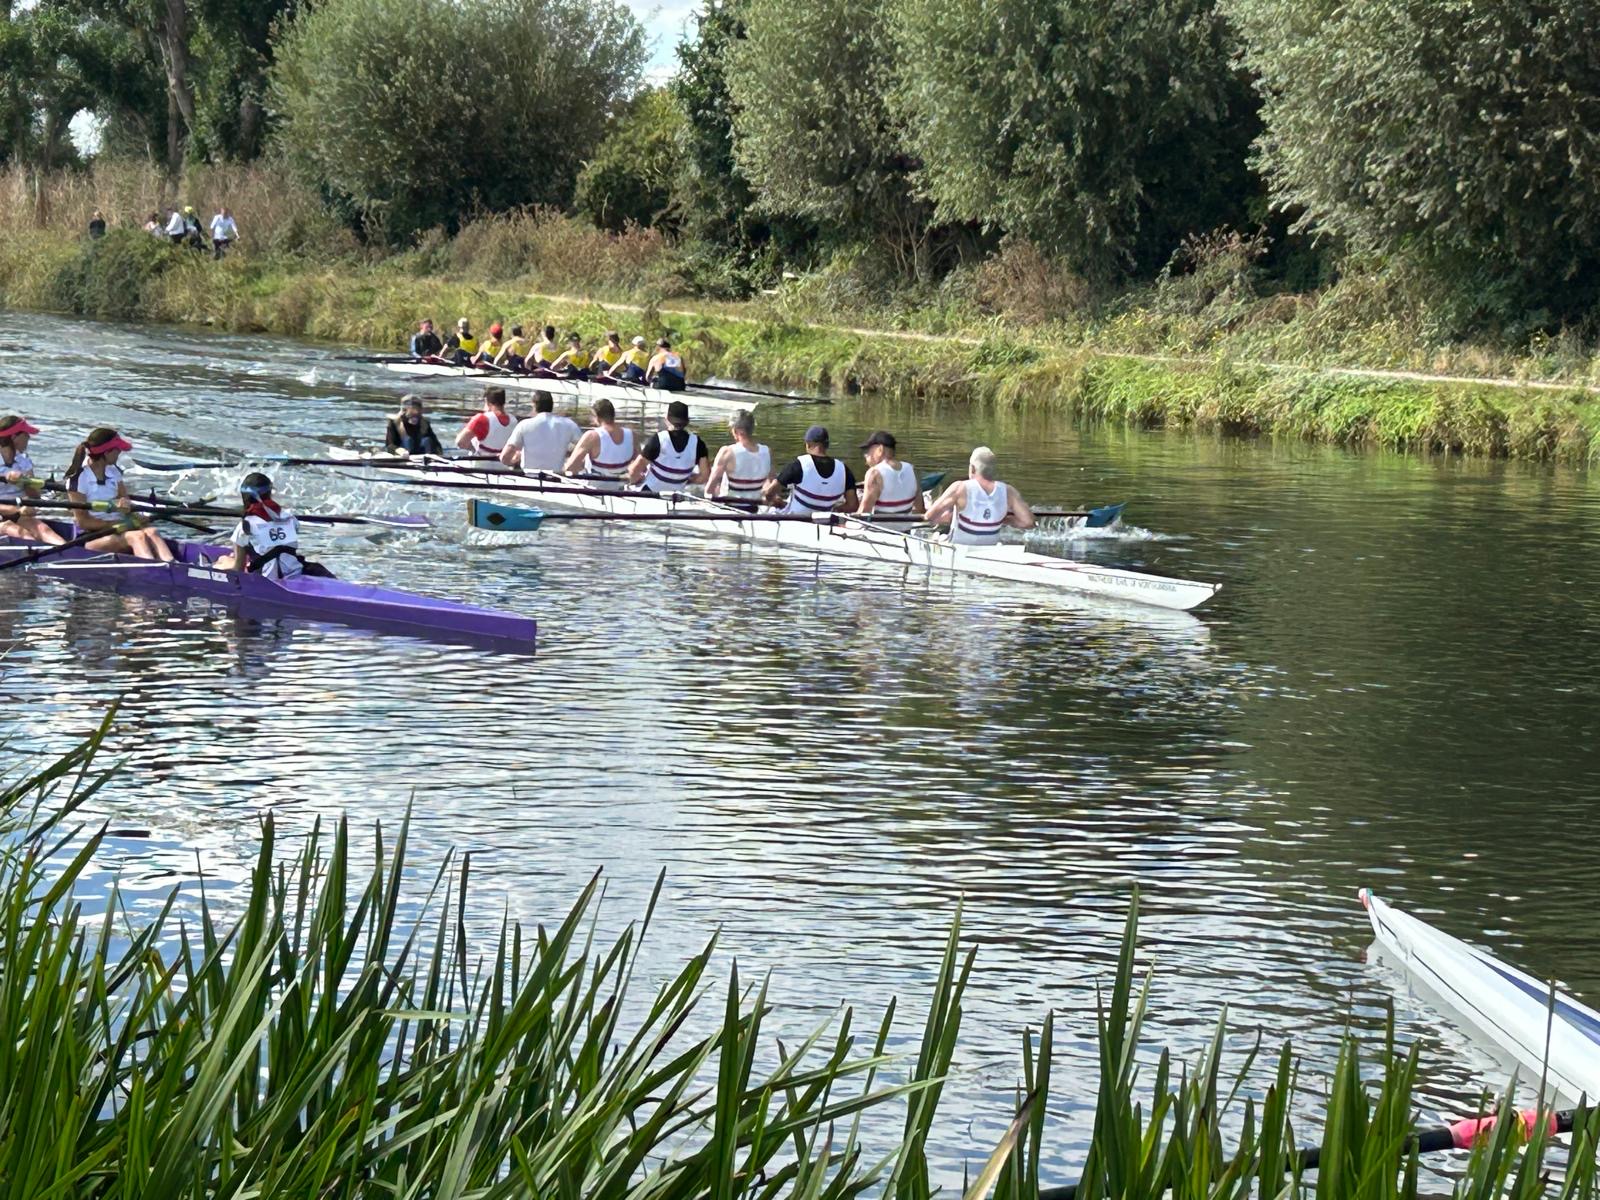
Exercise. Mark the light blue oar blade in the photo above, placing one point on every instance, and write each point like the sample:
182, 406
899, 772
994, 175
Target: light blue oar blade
486, 514
1108, 514
929, 482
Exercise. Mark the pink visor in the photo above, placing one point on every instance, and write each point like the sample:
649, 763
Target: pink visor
106, 447
20, 427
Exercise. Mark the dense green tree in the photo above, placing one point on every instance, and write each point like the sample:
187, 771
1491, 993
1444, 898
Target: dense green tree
813, 130
418, 111
41, 87
713, 199
1101, 130
631, 175
1462, 133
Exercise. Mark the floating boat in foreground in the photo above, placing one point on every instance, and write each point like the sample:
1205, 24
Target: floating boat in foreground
315, 598
1552, 1035
827, 533
588, 391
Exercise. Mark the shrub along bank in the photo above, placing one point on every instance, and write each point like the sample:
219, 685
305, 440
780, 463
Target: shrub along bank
1120, 368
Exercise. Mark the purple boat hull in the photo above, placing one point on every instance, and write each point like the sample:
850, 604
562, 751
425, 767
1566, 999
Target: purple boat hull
315, 598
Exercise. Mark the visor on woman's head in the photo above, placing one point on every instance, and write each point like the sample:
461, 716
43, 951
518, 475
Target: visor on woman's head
115, 443
20, 427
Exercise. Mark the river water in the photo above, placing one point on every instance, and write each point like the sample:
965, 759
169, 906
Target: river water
1395, 688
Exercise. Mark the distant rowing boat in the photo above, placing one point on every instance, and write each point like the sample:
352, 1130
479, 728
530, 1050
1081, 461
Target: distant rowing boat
1552, 1035
620, 394
834, 534
313, 597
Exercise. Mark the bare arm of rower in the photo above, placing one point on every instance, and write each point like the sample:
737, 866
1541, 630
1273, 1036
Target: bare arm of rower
85, 519
581, 452
851, 499
511, 455
719, 469
1018, 514
945, 506
464, 438
870, 494
772, 493
637, 468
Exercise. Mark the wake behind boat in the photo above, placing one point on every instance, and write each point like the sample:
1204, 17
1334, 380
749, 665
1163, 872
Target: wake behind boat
322, 598
830, 533
1552, 1035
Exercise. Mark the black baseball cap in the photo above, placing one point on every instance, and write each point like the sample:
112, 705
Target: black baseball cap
677, 413
881, 438
817, 435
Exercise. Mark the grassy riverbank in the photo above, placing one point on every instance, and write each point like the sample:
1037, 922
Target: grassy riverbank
301, 1035
1186, 354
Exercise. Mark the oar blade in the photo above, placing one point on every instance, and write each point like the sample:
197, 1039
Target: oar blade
1104, 516
503, 518
932, 480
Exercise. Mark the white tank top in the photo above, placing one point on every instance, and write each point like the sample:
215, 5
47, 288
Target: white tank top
264, 537
748, 474
977, 522
12, 491
672, 468
814, 494
86, 485
899, 489
613, 457
499, 433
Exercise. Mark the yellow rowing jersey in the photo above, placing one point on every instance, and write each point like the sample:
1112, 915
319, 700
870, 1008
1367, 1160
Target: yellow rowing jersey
491, 346
577, 359
518, 346
608, 355
467, 342
545, 352
636, 358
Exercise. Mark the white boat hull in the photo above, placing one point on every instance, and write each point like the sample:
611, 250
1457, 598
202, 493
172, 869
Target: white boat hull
587, 391
1511, 1008
845, 537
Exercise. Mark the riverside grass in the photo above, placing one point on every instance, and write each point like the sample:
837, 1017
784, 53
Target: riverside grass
1097, 373
316, 1043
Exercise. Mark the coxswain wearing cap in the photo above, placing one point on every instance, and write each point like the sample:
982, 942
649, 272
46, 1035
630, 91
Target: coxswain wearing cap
631, 366
671, 461
489, 348
741, 471
462, 345
666, 368
817, 483
409, 431
541, 443
16, 470
976, 507
608, 356
542, 358
513, 355
605, 450
487, 431
266, 541
890, 487
573, 363
425, 343
94, 478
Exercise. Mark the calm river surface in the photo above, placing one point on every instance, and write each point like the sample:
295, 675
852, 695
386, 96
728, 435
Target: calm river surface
1396, 688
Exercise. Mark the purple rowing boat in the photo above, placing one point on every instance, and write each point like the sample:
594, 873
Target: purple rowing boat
315, 598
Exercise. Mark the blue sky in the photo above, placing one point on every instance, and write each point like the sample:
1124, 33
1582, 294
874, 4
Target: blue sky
664, 23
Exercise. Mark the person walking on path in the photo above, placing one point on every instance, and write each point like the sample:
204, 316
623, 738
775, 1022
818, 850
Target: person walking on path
223, 232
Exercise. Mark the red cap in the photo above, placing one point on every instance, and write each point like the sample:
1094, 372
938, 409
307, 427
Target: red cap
495, 329
117, 442
21, 426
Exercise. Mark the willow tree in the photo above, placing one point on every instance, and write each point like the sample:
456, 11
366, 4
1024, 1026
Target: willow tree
1101, 130
415, 112
1464, 134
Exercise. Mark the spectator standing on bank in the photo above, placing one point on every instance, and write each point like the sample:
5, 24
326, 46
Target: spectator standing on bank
152, 225
97, 224
191, 228
176, 227
223, 232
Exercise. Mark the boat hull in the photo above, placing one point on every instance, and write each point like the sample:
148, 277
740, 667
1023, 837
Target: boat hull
842, 536
586, 391
314, 598
1551, 1035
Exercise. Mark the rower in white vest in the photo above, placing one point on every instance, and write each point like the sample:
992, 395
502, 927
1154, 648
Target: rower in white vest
605, 450
890, 487
976, 507
488, 431
672, 460
742, 470
266, 541
817, 483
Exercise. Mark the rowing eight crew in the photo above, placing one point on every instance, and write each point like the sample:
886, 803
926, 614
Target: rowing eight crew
975, 508
547, 358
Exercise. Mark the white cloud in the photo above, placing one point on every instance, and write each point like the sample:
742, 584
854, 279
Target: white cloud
664, 26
